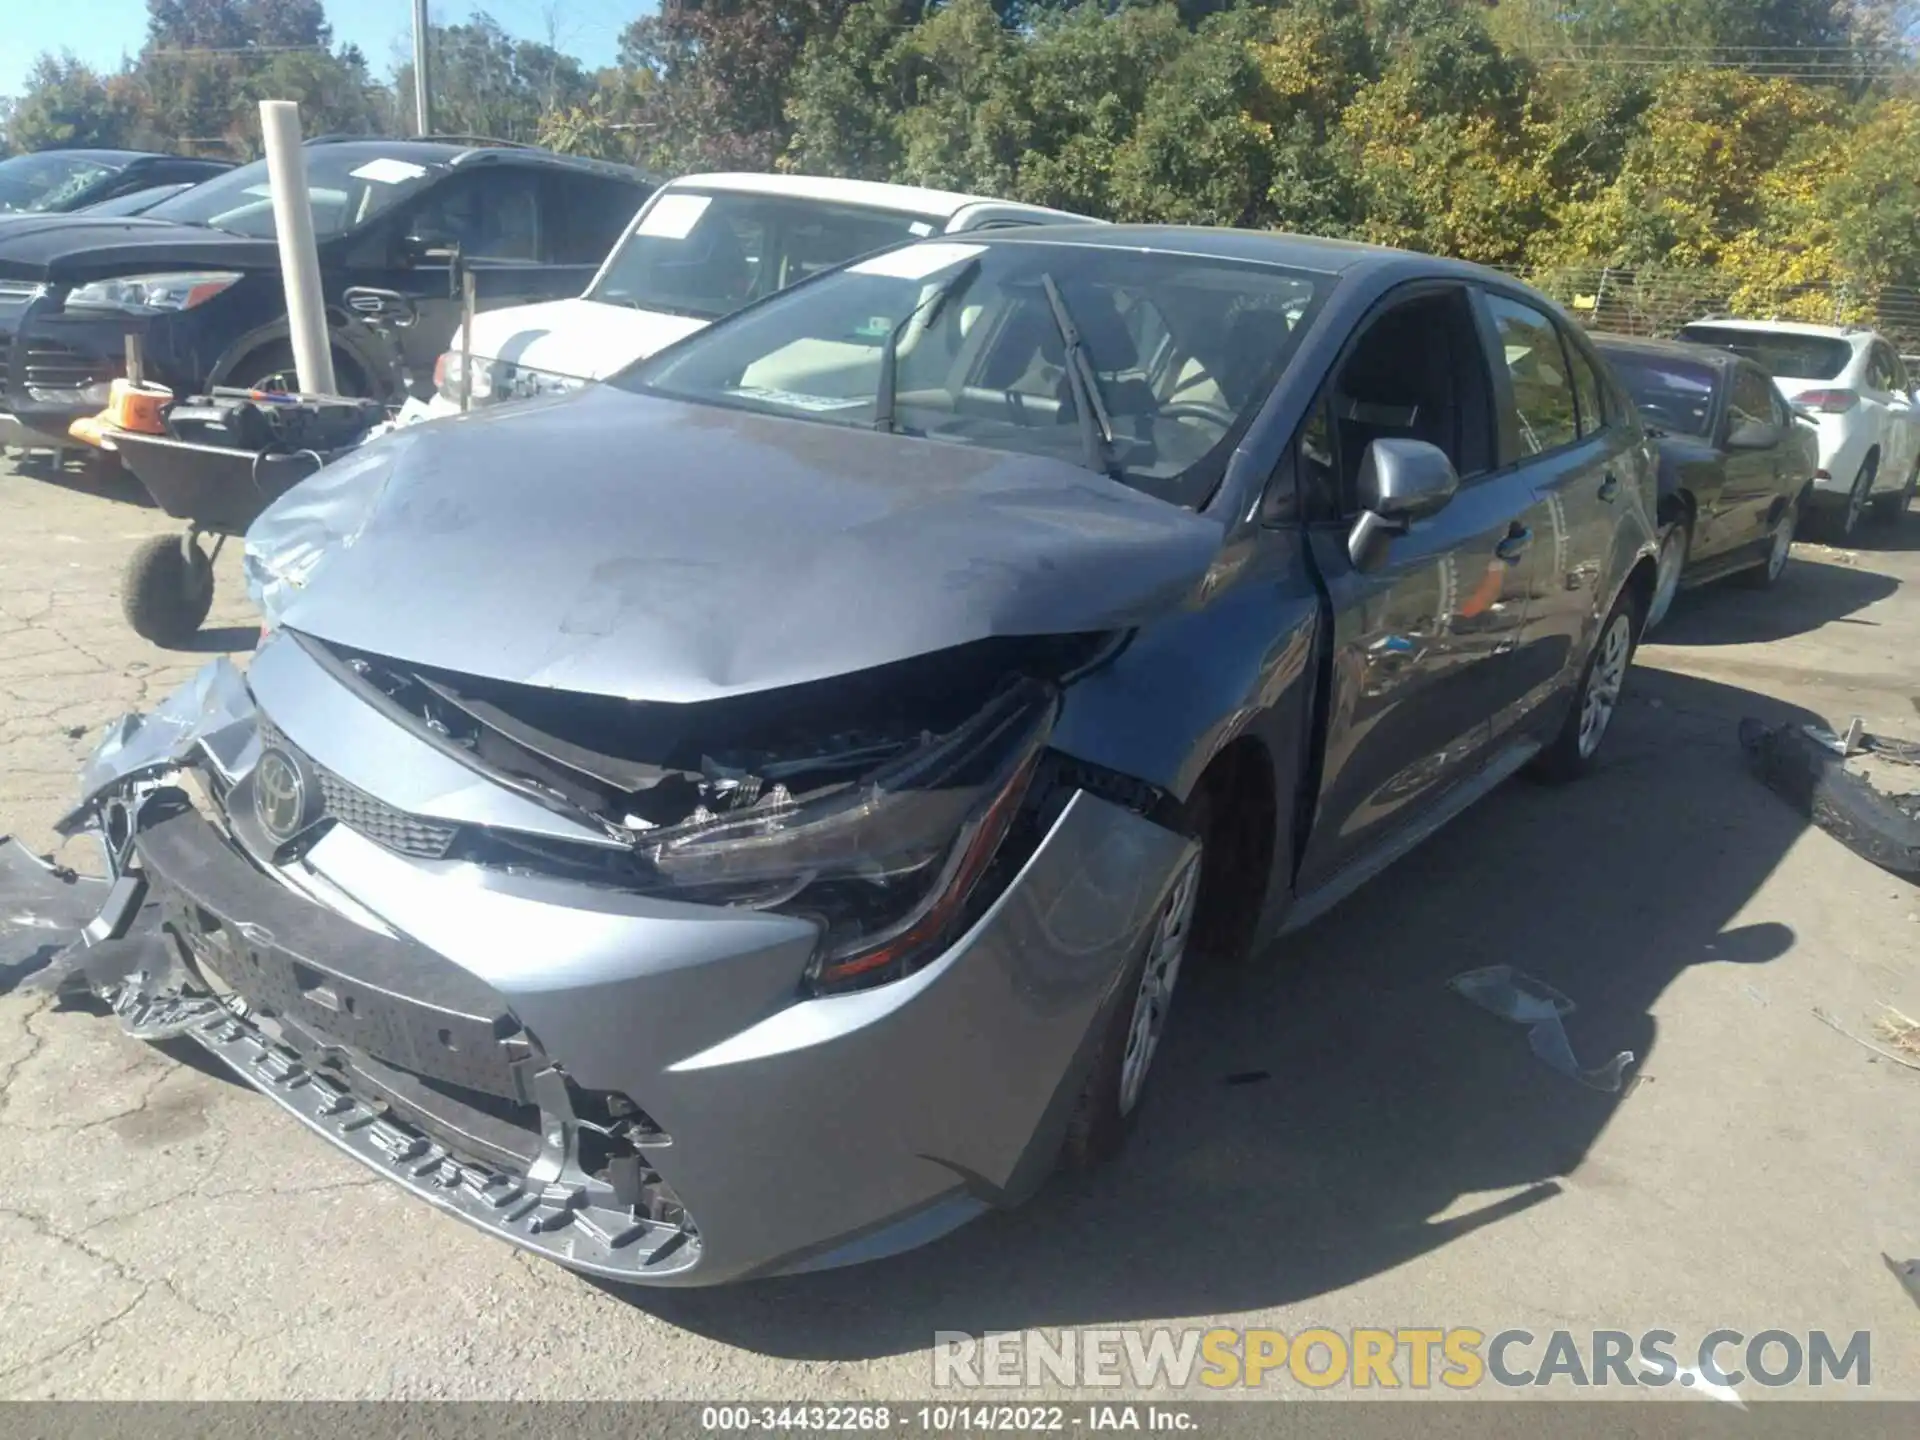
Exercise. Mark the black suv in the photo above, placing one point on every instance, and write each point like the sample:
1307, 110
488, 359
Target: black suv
52, 182
197, 277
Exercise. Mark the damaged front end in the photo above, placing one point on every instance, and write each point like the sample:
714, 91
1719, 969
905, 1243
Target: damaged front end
672, 993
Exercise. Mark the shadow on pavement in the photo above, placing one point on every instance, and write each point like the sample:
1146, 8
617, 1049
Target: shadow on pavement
88, 473
1313, 1114
1811, 593
221, 640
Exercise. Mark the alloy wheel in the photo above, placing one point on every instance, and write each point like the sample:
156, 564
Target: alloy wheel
1155, 995
1673, 559
1604, 682
1782, 543
1857, 499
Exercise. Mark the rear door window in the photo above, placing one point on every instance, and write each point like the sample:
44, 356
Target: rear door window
1542, 391
1587, 390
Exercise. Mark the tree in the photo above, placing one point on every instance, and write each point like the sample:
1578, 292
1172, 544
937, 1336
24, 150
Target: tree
68, 104
487, 83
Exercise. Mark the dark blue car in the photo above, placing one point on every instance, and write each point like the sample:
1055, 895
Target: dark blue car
197, 277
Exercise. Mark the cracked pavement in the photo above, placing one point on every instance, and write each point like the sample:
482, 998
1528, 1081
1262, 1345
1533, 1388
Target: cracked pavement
1384, 1156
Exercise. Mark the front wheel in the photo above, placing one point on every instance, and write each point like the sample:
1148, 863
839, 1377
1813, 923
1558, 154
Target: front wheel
1577, 746
1111, 1098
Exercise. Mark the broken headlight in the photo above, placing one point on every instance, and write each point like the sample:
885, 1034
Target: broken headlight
489, 381
885, 864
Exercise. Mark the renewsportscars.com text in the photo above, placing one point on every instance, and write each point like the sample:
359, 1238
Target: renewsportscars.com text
1460, 1358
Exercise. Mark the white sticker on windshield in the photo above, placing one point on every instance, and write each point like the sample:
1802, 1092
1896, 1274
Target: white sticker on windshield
796, 400
385, 171
916, 262
920, 227
672, 217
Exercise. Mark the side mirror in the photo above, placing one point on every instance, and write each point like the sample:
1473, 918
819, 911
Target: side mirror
1400, 481
1753, 435
423, 247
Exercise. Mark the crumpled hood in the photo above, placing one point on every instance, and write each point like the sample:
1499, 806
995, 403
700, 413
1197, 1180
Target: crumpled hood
623, 545
581, 338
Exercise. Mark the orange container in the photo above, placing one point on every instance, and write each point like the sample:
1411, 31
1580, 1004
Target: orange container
137, 407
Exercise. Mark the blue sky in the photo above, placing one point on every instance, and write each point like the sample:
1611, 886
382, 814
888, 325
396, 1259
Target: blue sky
100, 32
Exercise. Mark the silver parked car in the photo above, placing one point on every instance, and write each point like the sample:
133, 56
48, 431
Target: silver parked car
751, 816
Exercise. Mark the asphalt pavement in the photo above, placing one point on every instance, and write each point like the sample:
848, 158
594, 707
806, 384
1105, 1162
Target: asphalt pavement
1335, 1138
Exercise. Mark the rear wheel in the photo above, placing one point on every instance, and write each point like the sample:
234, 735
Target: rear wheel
1848, 520
1577, 746
1673, 563
1779, 549
272, 369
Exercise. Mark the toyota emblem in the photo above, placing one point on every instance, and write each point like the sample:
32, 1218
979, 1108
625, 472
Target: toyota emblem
283, 796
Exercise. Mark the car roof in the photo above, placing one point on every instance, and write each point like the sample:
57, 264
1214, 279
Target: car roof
1269, 247
459, 150
1606, 341
873, 194
1784, 327
123, 157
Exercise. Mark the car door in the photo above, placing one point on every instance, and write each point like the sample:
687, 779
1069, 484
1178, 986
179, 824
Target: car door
1423, 644
1750, 476
1577, 466
1902, 444
499, 218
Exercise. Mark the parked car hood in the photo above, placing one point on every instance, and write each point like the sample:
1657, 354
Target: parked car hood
618, 544
81, 247
585, 339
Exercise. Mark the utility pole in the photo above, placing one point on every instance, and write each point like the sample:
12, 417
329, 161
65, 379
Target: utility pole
422, 92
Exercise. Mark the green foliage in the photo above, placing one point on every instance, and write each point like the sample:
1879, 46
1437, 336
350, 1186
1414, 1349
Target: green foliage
1767, 144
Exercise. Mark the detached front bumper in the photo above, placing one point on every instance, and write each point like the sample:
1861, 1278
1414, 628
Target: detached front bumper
635, 1088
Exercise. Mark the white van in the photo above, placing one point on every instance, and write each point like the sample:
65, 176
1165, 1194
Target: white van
700, 248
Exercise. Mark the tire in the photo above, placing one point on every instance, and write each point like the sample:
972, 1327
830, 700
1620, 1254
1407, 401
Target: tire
1674, 547
1109, 1103
1576, 748
1888, 509
1846, 520
1779, 550
167, 590
271, 368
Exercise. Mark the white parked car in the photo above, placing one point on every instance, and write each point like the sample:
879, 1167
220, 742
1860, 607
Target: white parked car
1853, 385
702, 247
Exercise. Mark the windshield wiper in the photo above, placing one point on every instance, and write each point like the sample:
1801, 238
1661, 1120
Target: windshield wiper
1096, 425
885, 388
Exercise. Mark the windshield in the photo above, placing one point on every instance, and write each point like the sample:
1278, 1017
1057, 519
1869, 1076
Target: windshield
1180, 351
1673, 394
1779, 353
134, 202
48, 182
704, 254
349, 185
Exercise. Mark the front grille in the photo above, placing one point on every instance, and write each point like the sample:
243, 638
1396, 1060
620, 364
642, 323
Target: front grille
49, 365
367, 815
381, 822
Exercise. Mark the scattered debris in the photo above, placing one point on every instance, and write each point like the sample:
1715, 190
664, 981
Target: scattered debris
43, 908
1811, 774
76, 732
1851, 742
1248, 1077
1907, 1272
1828, 553
1900, 1031
1826, 1018
1506, 992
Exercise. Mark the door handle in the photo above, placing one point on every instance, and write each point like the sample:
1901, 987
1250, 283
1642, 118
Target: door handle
1516, 543
1610, 486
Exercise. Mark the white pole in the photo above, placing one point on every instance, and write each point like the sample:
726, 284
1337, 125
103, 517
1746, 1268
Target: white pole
299, 259
422, 91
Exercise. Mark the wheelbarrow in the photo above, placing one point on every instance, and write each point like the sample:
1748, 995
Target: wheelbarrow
167, 587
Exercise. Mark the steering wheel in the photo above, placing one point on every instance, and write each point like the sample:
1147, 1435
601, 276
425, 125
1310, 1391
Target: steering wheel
1197, 410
